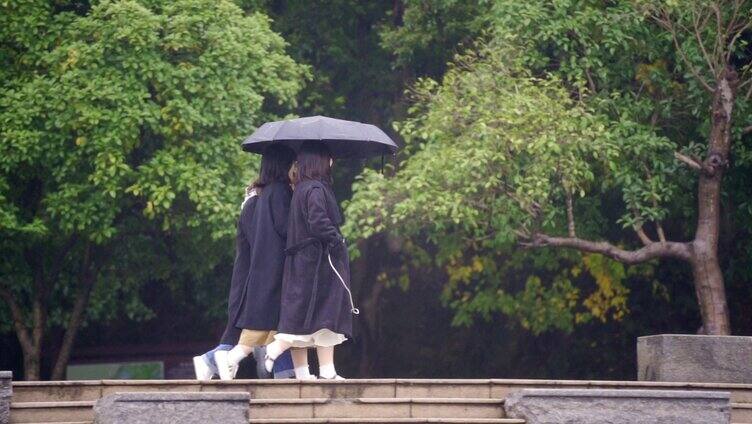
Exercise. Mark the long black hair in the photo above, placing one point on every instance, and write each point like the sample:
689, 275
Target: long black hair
314, 162
275, 166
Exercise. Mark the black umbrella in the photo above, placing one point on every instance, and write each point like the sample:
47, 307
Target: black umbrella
345, 139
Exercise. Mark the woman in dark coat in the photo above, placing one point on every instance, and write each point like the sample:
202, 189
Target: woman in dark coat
317, 306
257, 276
205, 365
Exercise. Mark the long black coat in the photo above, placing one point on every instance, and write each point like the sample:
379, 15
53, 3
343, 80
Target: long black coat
260, 302
313, 298
239, 270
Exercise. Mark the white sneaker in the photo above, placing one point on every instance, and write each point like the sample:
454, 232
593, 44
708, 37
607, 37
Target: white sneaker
336, 377
203, 373
226, 369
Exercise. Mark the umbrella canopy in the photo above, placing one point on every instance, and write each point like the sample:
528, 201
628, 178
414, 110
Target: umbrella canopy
345, 139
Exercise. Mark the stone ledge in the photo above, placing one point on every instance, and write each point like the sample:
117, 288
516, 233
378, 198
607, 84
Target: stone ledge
694, 358
182, 407
386, 420
626, 394
349, 382
182, 397
597, 406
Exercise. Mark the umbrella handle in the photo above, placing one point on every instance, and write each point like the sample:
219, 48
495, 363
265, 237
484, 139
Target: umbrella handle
353, 309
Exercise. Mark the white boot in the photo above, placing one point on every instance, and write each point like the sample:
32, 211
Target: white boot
203, 372
328, 372
227, 369
229, 361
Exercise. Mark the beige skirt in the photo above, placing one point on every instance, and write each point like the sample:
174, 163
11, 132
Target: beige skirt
256, 337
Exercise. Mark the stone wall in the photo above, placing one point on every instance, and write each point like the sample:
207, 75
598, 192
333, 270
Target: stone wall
6, 392
599, 406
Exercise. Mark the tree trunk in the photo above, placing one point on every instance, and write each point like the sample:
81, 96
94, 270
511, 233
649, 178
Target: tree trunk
706, 269
77, 316
711, 294
29, 339
32, 363
74, 323
709, 285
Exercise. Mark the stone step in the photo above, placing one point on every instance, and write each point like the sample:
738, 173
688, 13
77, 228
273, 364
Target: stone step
387, 420
364, 421
279, 410
423, 408
741, 412
71, 401
377, 388
51, 412
377, 408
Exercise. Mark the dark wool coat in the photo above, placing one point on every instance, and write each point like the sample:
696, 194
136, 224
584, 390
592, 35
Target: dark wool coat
313, 298
259, 308
239, 271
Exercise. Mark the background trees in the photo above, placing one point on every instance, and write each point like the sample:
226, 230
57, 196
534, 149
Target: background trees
439, 272
493, 163
120, 162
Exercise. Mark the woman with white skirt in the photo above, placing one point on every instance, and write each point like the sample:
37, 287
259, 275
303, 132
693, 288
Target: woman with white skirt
317, 307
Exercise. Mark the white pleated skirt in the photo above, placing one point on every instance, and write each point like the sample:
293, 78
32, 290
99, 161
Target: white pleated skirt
322, 338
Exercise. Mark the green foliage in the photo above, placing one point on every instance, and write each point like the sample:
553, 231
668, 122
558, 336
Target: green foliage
586, 43
429, 34
120, 127
353, 78
490, 139
493, 152
579, 100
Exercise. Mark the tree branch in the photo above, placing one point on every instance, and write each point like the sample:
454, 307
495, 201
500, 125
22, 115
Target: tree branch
668, 24
570, 214
591, 82
74, 324
697, 30
57, 265
24, 337
659, 230
746, 130
688, 161
87, 277
720, 37
651, 251
641, 235
640, 231
39, 317
730, 47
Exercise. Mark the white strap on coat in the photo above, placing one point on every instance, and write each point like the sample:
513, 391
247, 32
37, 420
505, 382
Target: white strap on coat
353, 309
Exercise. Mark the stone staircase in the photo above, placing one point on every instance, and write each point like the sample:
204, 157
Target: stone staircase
349, 401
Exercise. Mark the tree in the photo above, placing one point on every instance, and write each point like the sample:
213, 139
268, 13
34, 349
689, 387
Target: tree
546, 123
424, 36
706, 36
119, 162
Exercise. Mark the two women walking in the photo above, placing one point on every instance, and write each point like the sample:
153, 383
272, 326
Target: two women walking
290, 279
290, 288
